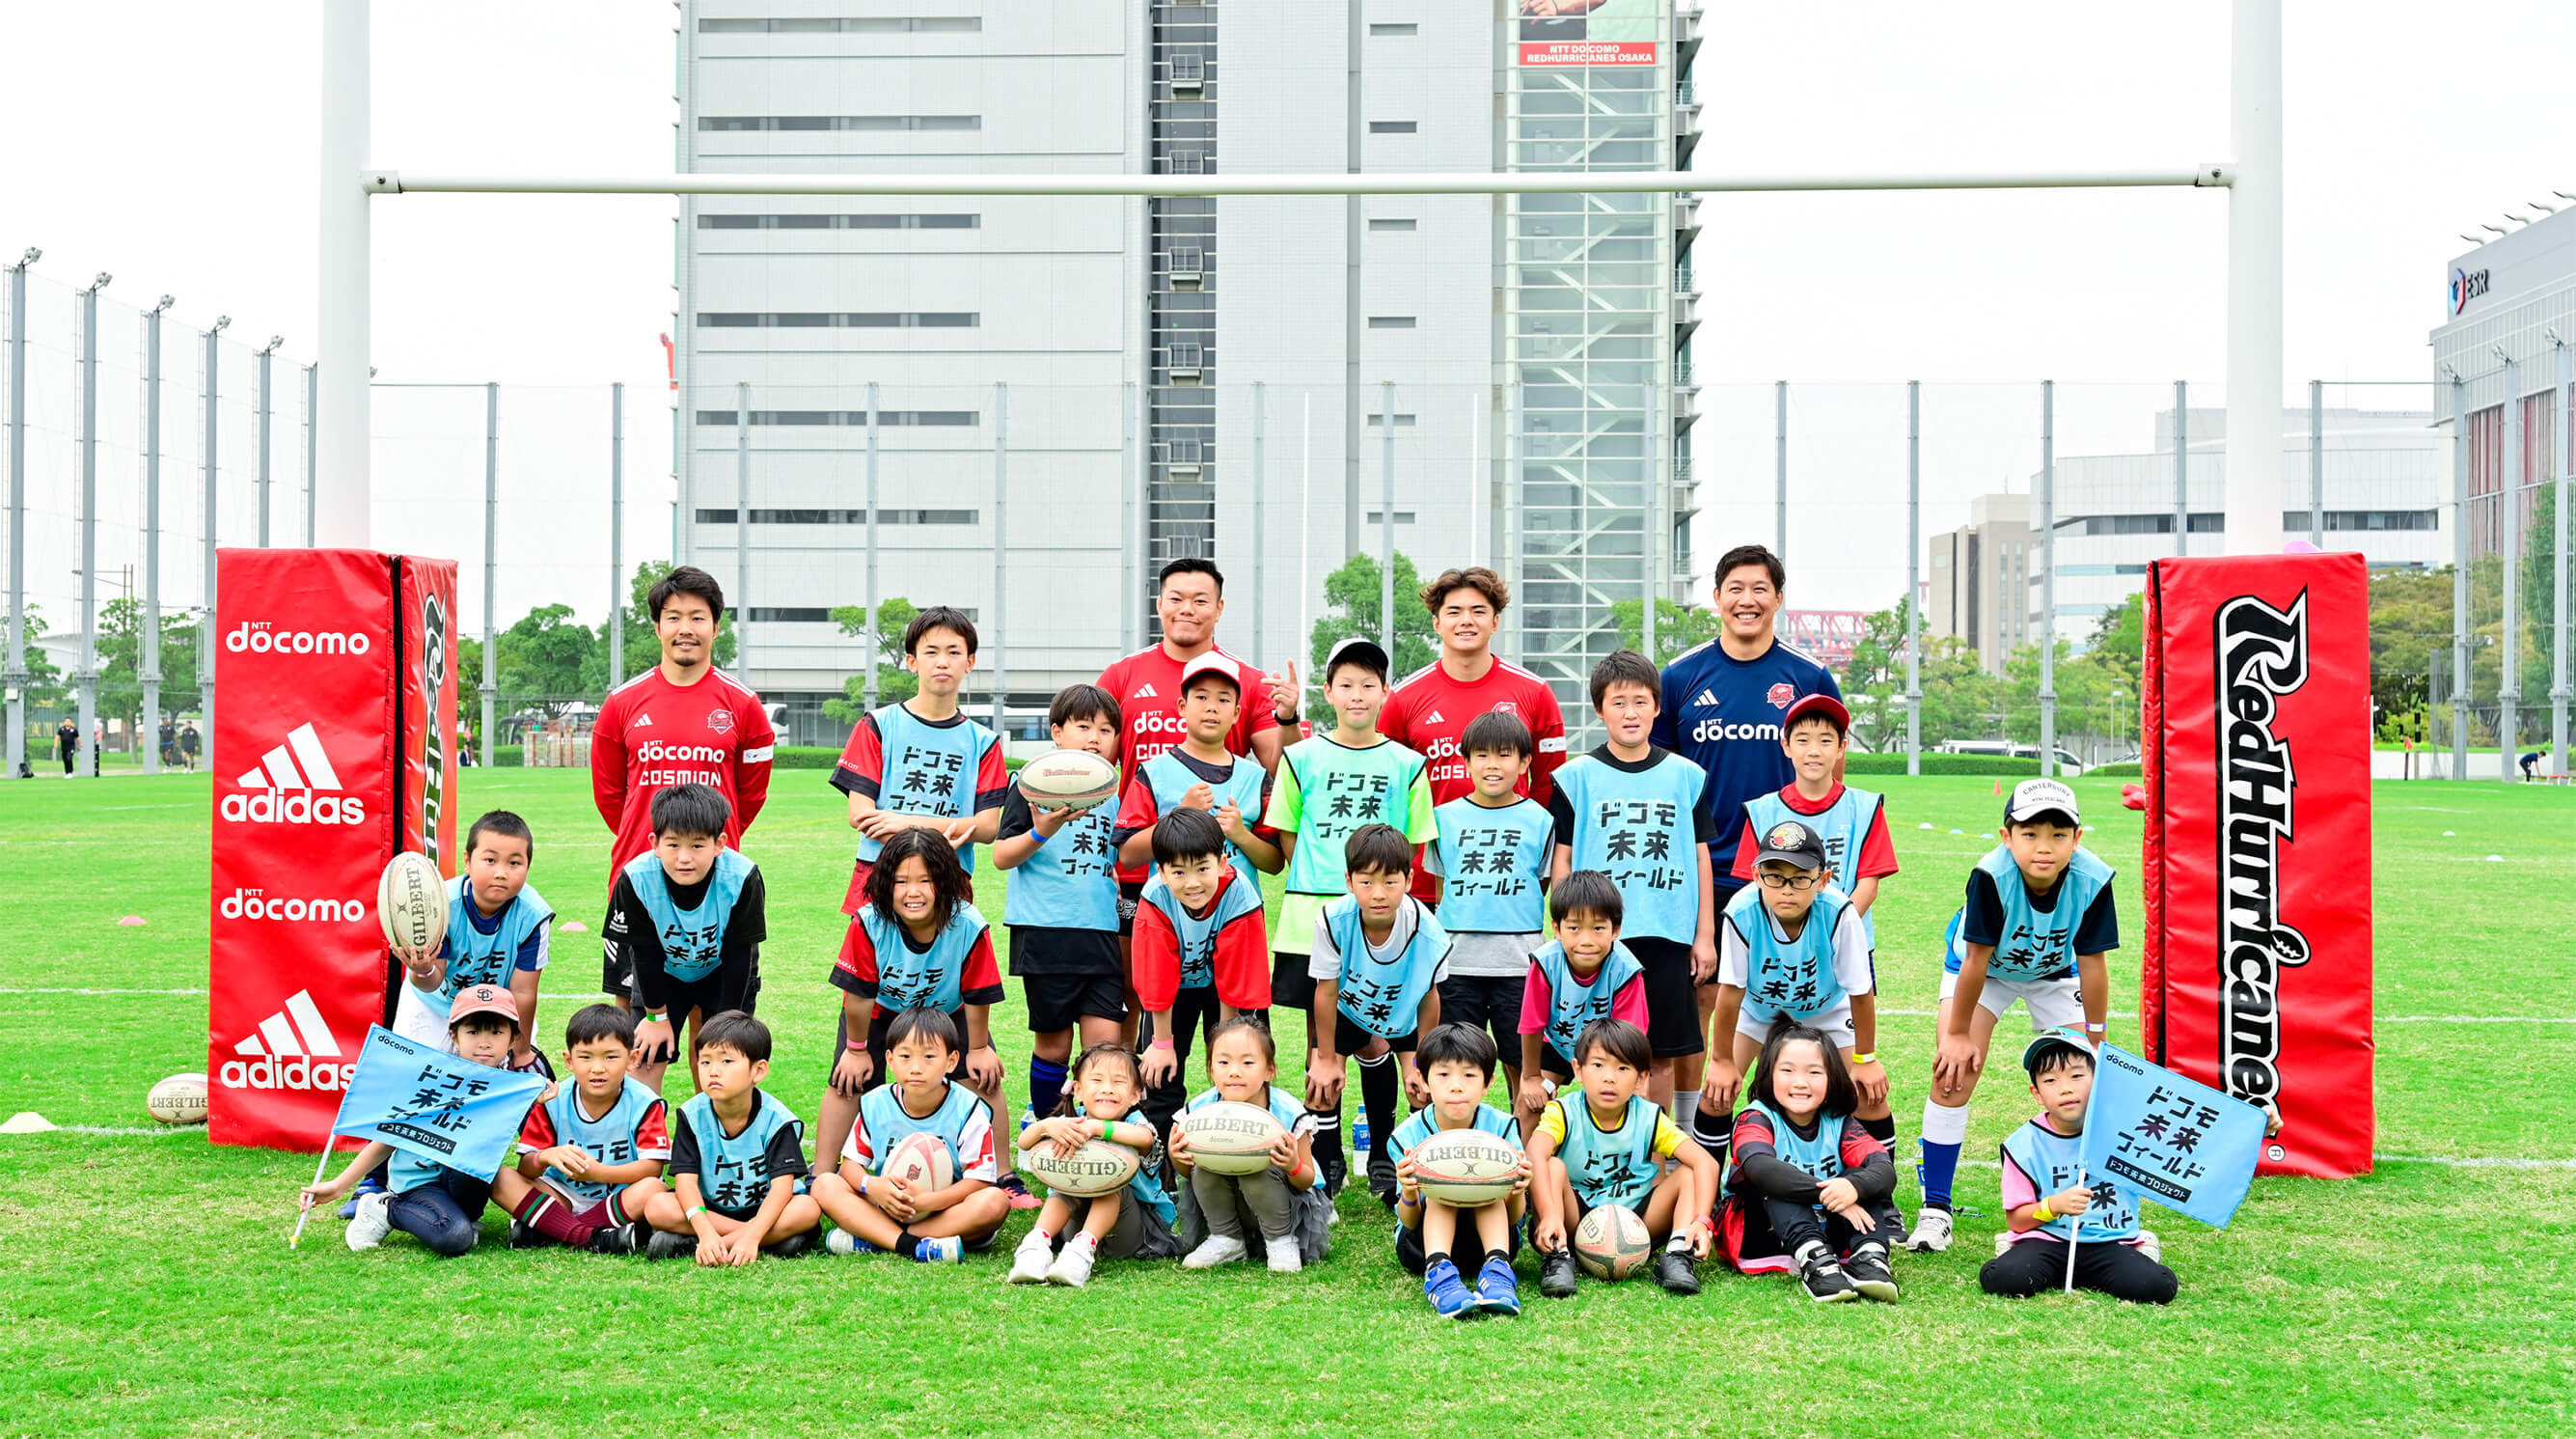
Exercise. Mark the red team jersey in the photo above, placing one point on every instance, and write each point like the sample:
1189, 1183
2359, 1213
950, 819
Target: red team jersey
1429, 714
653, 733
1147, 686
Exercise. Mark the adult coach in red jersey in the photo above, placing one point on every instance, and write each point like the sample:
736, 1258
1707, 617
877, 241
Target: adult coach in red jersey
680, 722
1430, 709
1189, 598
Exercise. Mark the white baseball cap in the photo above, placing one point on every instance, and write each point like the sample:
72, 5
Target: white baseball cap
2039, 796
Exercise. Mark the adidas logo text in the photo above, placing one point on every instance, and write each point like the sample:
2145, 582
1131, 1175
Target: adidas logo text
293, 783
286, 1050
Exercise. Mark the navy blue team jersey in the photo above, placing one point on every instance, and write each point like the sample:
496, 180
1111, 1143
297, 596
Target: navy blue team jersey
1723, 714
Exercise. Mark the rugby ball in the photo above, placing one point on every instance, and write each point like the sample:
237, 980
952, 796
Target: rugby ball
1074, 779
1228, 1137
922, 1162
180, 1099
1465, 1167
411, 901
1095, 1167
1611, 1242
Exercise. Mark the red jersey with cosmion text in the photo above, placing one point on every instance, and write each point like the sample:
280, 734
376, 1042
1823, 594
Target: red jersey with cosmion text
653, 733
1429, 713
1147, 686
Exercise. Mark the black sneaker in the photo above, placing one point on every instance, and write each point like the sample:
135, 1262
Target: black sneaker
1381, 1173
792, 1246
1674, 1271
1826, 1283
1868, 1272
524, 1235
1336, 1172
666, 1245
620, 1238
1556, 1273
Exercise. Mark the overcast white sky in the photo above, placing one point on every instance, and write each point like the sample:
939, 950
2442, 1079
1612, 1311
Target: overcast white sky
171, 143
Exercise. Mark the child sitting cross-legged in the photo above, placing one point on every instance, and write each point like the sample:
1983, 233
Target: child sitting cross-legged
591, 1156
1100, 1102
879, 1211
1458, 1063
1809, 1190
1280, 1205
737, 1158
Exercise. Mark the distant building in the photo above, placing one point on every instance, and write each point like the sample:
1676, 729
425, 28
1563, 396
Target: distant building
2515, 294
1975, 576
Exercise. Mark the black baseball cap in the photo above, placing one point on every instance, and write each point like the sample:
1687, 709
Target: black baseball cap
1791, 842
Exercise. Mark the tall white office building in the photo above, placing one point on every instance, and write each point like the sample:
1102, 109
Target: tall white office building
1178, 376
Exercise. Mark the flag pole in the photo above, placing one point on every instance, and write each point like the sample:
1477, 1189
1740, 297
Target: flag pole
2075, 1222
304, 1211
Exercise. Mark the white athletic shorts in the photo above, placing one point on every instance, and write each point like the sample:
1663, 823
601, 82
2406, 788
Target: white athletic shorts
1834, 1024
2053, 1003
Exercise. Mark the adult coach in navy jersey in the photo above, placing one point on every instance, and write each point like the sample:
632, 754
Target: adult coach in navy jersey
1722, 706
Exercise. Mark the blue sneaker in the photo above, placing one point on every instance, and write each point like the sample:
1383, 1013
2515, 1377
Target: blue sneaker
1498, 1289
369, 1185
951, 1250
1447, 1292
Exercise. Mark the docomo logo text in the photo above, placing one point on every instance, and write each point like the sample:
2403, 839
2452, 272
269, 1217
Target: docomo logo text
258, 637
1152, 722
257, 904
1710, 729
657, 752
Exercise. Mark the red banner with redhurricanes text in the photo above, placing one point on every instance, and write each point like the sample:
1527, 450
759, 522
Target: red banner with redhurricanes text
2256, 732
325, 759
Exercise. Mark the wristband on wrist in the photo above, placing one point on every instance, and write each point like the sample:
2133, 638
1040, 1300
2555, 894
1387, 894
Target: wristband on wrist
2043, 1213
1106, 1130
1869, 1058
696, 1209
2097, 1029
654, 1018
1160, 1043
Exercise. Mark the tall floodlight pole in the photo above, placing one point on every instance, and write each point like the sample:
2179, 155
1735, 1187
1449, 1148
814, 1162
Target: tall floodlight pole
340, 475
206, 625
15, 662
616, 534
491, 564
149, 660
2254, 281
2317, 464
1654, 541
2460, 683
874, 624
2182, 469
1386, 524
1780, 472
1131, 549
267, 414
1001, 556
2048, 577
2509, 532
1914, 577
1260, 461
2559, 689
312, 457
742, 528
86, 676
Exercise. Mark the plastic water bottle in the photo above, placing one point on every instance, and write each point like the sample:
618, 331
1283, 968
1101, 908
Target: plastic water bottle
1360, 1141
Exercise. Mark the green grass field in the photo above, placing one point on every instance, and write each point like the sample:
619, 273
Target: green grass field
149, 1289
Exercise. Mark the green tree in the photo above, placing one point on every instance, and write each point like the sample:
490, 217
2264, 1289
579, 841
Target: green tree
894, 683
546, 661
1874, 681
1676, 628
1352, 592
2084, 690
2410, 618
2539, 596
120, 645
44, 677
2119, 642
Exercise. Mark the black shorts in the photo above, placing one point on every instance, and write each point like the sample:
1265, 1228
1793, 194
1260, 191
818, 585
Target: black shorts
727, 988
1553, 1064
616, 976
1408, 1249
1291, 987
1350, 1039
1491, 1002
1131, 893
1195, 1013
1672, 998
1058, 1002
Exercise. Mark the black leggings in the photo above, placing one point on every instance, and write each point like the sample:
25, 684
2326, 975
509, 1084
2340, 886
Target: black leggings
442, 1213
1194, 1013
2037, 1266
1796, 1224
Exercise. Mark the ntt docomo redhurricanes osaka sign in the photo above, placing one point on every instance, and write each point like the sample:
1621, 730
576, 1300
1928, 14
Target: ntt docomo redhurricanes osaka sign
332, 748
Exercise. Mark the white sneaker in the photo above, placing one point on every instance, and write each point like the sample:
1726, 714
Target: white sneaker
1216, 1249
2150, 1246
1029, 1262
373, 1221
1931, 1231
1072, 1268
1285, 1256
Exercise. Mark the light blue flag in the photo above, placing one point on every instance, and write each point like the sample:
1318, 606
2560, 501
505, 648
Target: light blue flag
2170, 1139
434, 1105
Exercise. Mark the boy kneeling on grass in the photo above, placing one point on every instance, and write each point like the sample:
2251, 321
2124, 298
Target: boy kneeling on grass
2046, 1204
737, 1158
1605, 1143
593, 1150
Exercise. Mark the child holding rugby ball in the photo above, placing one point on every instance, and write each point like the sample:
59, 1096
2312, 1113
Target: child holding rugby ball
1272, 1202
1605, 1143
1458, 1062
1135, 1222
